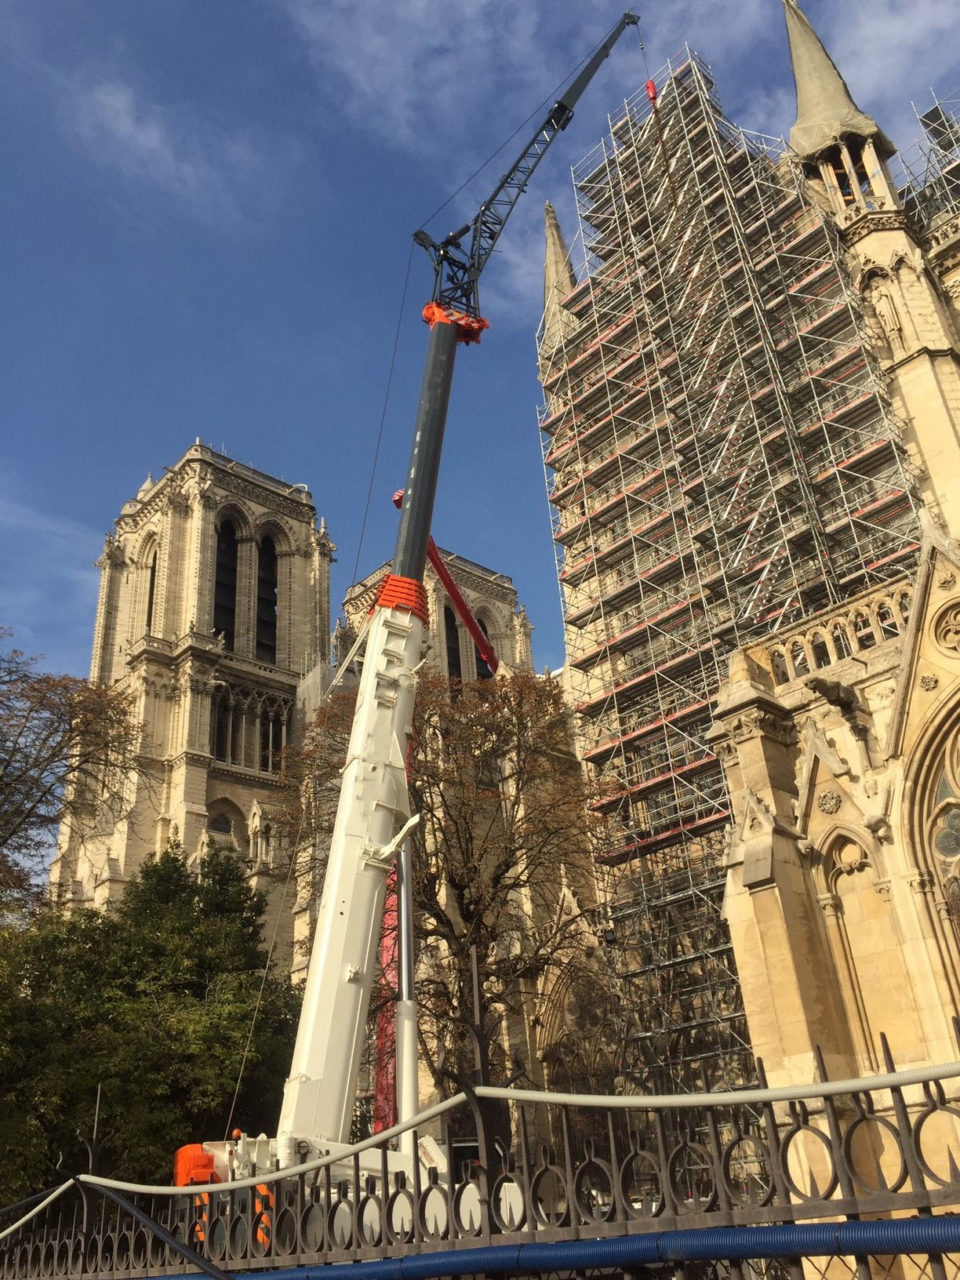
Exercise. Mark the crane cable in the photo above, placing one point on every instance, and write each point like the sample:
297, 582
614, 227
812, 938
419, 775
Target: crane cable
550, 97
383, 412
403, 300
537, 110
363, 527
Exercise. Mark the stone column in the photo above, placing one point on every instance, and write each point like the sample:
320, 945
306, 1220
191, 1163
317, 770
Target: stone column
245, 616
786, 970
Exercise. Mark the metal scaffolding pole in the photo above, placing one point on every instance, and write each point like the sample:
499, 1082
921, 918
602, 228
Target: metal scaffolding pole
721, 460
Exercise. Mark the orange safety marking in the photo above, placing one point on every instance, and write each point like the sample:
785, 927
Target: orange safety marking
201, 1205
397, 592
469, 328
262, 1205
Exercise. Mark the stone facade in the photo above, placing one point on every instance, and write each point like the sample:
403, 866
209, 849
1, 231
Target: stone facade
841, 743
214, 596
492, 598
840, 738
214, 609
751, 414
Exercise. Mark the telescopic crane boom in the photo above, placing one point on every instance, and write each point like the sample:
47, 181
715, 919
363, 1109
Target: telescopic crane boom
373, 815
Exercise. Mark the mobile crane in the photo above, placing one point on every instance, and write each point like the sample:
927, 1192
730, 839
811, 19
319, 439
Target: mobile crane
373, 816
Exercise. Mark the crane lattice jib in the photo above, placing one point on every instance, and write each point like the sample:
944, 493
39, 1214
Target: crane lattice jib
456, 272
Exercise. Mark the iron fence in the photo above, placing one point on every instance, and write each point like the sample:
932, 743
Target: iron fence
523, 1166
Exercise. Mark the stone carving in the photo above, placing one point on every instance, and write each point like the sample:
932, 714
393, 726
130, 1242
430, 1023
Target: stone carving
755, 723
947, 580
850, 858
929, 682
112, 552
830, 802
946, 629
726, 750
178, 501
859, 223
885, 309
830, 905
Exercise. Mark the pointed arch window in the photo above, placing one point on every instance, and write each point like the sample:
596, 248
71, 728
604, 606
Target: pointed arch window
151, 591
944, 831
798, 657
451, 634
841, 641
863, 630
267, 600
225, 588
484, 671
887, 622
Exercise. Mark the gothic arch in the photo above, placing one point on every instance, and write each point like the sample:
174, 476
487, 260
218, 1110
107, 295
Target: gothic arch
931, 798
272, 590
262, 837
873, 273
841, 849
932, 781
489, 624
226, 826
579, 1038
149, 539
238, 515
844, 854
860, 919
147, 562
272, 527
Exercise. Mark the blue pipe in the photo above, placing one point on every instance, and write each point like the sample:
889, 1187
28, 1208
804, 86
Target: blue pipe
733, 1244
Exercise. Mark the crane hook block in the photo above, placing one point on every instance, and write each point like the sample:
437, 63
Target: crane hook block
469, 328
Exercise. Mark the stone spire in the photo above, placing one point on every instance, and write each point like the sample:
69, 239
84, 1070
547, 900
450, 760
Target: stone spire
558, 280
826, 113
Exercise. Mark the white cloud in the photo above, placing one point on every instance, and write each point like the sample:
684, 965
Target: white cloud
448, 84
48, 584
422, 76
892, 52
214, 173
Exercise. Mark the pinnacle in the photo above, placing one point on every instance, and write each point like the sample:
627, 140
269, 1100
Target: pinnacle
826, 112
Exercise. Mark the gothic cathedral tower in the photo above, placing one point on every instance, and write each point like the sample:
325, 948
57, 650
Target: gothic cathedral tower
840, 736
908, 278
214, 600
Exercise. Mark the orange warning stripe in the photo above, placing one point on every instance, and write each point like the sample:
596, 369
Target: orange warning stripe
469, 328
397, 592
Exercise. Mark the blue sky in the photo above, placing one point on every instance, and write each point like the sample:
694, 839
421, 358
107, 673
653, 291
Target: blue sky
206, 212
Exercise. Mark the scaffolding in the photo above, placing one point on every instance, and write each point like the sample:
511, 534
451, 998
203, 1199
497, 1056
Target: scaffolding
930, 188
721, 460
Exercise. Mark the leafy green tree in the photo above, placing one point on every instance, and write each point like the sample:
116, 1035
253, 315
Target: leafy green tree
152, 1000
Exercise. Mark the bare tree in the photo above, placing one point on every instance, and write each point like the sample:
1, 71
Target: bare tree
503, 860
66, 750
503, 873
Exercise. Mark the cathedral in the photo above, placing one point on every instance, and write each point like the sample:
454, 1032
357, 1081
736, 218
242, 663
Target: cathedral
214, 610
752, 422
840, 734
752, 427
214, 600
